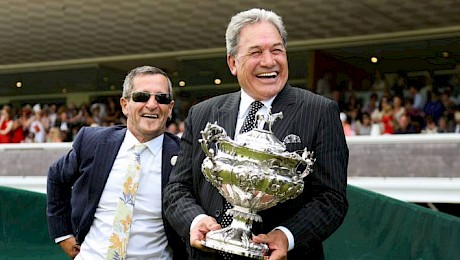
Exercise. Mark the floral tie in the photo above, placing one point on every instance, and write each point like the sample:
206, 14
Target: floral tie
124, 213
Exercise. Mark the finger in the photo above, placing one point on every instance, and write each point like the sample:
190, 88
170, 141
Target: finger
199, 244
214, 226
262, 238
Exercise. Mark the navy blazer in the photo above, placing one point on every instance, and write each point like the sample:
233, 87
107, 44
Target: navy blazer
76, 182
311, 217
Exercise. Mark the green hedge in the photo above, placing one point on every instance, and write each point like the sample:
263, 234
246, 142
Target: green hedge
23, 227
379, 227
376, 227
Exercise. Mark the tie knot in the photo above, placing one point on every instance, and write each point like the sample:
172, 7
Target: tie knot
249, 122
138, 148
255, 106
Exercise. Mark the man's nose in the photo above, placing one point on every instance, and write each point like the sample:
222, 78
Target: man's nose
152, 102
268, 59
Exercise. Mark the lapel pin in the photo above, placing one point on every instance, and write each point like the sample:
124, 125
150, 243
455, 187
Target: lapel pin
173, 160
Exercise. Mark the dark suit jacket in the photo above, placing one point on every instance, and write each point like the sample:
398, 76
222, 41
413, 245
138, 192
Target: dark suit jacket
76, 181
312, 216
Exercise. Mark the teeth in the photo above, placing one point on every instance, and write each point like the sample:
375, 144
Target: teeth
268, 74
151, 116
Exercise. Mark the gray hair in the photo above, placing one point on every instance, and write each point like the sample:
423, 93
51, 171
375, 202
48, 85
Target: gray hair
240, 20
144, 70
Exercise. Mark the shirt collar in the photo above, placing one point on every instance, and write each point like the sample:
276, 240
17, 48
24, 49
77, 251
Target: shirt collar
246, 101
153, 145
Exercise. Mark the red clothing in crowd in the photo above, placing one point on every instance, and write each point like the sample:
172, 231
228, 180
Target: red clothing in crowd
7, 137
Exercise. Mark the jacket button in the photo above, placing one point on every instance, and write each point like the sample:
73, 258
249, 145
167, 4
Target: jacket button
217, 213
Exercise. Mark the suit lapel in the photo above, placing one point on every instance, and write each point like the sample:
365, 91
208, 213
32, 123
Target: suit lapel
228, 113
284, 102
104, 157
170, 149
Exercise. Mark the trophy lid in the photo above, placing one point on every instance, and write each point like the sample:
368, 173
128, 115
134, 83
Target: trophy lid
260, 139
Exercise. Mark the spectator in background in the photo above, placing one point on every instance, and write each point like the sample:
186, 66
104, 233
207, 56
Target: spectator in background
415, 116
30, 138
398, 108
372, 104
63, 124
379, 83
353, 103
347, 129
448, 103
376, 115
455, 84
427, 87
19, 133
113, 112
405, 126
323, 86
434, 106
54, 135
181, 128
376, 127
457, 122
6, 124
96, 118
338, 98
430, 126
172, 127
44, 118
20, 125
35, 125
400, 84
443, 125
364, 126
387, 118
418, 99
52, 114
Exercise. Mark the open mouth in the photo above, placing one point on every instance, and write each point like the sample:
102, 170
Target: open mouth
268, 75
151, 116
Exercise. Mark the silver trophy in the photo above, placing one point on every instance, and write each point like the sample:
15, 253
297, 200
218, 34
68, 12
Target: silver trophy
253, 172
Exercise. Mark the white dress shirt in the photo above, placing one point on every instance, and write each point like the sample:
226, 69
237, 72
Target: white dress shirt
147, 237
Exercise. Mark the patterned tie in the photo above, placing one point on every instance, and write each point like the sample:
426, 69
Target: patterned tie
249, 123
124, 213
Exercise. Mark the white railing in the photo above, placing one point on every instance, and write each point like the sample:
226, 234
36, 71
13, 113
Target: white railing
404, 139
35, 146
435, 190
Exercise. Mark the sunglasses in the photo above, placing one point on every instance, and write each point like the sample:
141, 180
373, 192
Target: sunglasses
161, 98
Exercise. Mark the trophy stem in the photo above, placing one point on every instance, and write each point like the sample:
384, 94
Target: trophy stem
237, 238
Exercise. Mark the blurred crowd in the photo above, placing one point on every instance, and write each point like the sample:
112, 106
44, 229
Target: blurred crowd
406, 106
40, 123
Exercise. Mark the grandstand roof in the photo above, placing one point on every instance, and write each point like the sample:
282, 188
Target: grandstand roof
50, 34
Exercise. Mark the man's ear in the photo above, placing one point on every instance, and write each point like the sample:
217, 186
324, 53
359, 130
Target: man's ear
123, 104
231, 62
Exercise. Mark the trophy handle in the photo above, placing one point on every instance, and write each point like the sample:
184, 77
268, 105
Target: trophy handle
308, 160
211, 133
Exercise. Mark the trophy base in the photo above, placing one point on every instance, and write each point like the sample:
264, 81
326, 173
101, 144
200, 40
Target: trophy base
235, 241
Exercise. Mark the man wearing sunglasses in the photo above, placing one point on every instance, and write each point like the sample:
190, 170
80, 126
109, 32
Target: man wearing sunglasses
84, 186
